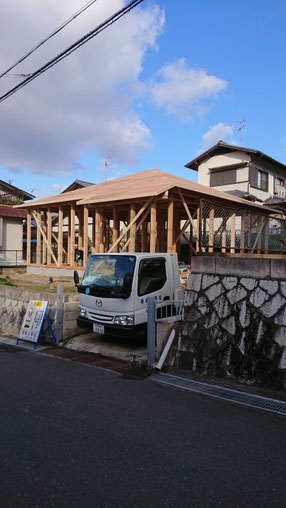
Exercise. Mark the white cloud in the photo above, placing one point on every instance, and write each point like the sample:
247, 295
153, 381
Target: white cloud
183, 91
220, 131
84, 103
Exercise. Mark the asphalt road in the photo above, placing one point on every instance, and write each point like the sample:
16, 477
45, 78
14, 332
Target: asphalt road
78, 436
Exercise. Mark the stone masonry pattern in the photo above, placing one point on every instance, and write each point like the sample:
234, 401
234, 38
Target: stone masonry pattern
235, 327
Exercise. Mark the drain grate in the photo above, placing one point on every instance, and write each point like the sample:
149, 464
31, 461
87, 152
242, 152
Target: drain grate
247, 399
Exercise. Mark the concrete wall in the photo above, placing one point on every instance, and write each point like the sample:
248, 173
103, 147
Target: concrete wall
235, 320
13, 304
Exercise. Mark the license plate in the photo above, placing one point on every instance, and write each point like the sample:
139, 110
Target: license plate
98, 328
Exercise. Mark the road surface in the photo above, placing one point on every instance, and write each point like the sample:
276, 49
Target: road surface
77, 436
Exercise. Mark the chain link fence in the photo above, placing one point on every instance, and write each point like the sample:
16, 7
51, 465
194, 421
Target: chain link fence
232, 230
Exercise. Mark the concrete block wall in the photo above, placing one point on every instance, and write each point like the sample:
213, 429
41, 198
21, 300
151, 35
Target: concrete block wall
235, 320
13, 304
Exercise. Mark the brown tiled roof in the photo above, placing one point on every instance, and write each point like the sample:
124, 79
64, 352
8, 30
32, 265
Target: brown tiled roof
10, 211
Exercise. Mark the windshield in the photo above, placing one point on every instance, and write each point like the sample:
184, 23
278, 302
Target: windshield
109, 275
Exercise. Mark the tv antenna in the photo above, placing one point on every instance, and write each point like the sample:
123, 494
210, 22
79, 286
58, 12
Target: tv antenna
242, 125
106, 164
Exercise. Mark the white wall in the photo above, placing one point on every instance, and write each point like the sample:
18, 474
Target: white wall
217, 161
12, 237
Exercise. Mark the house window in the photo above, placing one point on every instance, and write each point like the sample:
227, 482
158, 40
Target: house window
258, 179
262, 180
226, 177
279, 182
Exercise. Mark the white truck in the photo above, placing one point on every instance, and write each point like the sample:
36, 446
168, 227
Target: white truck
115, 287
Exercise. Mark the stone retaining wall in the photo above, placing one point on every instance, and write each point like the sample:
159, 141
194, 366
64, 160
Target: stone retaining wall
235, 320
13, 304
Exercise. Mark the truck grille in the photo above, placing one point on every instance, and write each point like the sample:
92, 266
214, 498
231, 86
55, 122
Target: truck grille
103, 318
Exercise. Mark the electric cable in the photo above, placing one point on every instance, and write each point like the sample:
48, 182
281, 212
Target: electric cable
80, 42
57, 30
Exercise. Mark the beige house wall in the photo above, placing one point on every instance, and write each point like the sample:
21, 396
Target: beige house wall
243, 178
11, 238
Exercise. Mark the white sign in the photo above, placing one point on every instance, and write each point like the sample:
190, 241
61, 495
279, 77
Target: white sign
33, 321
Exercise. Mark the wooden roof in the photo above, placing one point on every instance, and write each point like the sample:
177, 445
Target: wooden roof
145, 184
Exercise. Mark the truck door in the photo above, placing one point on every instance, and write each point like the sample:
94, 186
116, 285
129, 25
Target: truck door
153, 280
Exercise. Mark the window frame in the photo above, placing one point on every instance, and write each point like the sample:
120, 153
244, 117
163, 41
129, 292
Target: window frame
142, 261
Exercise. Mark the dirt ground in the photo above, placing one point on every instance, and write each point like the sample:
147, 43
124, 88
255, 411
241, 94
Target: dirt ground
20, 278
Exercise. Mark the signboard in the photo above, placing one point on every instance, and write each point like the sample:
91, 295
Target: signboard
33, 321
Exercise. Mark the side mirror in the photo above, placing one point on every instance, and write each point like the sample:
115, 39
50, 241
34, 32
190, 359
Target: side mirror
76, 278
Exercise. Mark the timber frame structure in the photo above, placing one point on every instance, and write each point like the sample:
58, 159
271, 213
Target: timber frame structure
150, 211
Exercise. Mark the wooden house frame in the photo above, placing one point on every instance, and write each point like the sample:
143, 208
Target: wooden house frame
148, 211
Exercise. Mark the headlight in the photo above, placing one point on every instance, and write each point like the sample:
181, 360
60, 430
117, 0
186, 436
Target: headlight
82, 313
124, 320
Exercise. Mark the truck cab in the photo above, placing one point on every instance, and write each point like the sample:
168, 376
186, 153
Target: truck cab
115, 287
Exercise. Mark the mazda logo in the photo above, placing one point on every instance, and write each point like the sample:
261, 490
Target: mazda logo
98, 303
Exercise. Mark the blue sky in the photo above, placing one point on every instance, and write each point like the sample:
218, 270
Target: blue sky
192, 68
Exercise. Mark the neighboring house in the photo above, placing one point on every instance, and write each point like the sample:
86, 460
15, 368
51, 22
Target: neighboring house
243, 172
11, 195
11, 224
77, 184
11, 235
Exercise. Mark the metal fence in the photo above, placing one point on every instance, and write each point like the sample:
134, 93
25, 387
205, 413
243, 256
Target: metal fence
232, 230
11, 257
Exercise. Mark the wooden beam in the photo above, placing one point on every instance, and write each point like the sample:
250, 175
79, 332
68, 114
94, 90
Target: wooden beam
138, 225
85, 235
142, 209
190, 244
185, 226
262, 223
45, 239
60, 236
49, 236
188, 211
153, 229
28, 255
38, 248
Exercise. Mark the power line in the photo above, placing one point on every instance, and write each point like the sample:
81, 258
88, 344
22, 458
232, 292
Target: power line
109, 21
57, 30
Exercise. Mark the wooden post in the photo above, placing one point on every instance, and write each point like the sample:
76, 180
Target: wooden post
98, 230
71, 250
198, 230
232, 233
44, 260
211, 230
102, 235
60, 236
132, 213
85, 235
38, 222
259, 229
266, 240
80, 230
49, 235
160, 231
28, 237
153, 214
242, 234
93, 242
115, 234
170, 230
39, 240
144, 237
